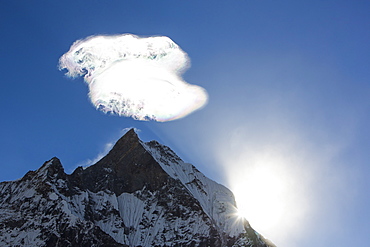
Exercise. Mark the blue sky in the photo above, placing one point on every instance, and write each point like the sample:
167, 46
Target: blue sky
288, 85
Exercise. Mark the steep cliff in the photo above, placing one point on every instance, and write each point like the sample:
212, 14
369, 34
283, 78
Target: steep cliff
139, 194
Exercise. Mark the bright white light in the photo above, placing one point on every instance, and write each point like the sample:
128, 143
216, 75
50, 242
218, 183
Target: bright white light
261, 196
135, 77
268, 186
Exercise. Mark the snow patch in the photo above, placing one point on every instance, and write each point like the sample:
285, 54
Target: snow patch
53, 196
216, 200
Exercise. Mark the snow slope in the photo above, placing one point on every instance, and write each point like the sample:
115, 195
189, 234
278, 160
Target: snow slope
140, 194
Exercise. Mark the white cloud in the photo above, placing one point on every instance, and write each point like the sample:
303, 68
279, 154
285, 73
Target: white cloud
135, 77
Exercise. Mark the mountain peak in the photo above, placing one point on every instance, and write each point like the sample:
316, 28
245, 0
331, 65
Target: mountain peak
130, 132
139, 194
51, 169
129, 136
124, 145
128, 167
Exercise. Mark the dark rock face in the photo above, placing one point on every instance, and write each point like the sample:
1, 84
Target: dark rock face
139, 194
127, 171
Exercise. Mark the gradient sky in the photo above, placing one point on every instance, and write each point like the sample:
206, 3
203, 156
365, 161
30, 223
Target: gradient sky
288, 114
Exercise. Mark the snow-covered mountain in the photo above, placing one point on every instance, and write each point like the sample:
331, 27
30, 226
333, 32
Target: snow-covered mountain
139, 194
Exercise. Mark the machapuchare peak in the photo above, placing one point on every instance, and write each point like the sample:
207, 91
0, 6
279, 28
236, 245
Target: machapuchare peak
139, 194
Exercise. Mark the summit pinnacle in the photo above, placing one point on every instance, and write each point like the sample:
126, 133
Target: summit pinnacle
139, 194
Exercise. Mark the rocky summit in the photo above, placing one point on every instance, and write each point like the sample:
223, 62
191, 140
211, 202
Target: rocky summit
139, 194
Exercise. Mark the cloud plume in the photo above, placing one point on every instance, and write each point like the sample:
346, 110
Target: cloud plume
135, 77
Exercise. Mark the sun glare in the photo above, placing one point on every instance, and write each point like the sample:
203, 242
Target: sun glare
260, 198
262, 193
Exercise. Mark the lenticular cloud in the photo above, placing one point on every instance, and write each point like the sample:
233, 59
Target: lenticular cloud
135, 77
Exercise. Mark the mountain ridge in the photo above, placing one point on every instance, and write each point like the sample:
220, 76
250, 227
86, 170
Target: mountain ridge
139, 194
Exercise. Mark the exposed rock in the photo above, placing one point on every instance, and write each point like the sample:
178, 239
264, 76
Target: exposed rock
139, 194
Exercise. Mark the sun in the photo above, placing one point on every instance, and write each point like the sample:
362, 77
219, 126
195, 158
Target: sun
262, 194
272, 183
